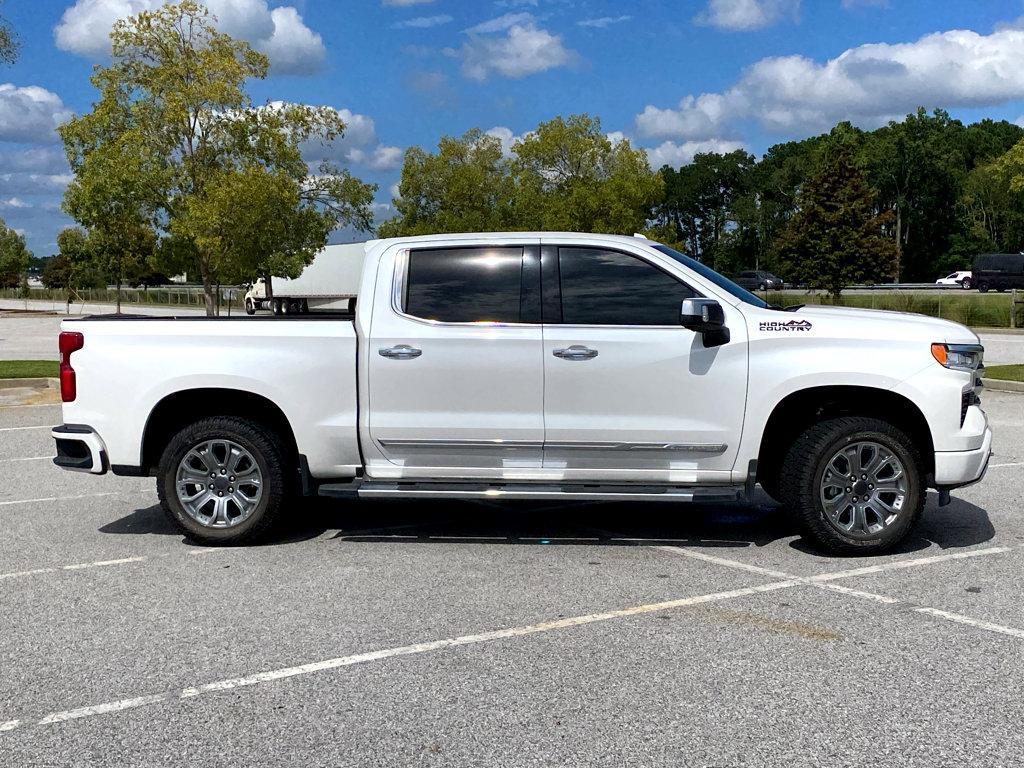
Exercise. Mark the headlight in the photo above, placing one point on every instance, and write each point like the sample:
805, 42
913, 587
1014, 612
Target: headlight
959, 357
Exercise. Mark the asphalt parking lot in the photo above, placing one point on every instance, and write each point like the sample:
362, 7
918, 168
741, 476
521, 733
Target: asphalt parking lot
467, 634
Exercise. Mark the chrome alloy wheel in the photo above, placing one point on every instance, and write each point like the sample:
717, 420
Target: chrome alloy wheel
863, 489
219, 484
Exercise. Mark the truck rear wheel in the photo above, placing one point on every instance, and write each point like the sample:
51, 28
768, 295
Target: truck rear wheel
221, 481
854, 484
250, 307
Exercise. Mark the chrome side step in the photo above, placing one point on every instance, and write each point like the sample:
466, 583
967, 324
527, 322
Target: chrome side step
516, 491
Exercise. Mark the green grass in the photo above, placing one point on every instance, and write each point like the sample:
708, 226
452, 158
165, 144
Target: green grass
27, 369
1013, 372
969, 308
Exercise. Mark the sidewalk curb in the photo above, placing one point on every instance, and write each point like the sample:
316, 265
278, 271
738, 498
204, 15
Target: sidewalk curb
7, 384
1003, 385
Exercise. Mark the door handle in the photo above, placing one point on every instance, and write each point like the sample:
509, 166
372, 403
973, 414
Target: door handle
400, 352
574, 352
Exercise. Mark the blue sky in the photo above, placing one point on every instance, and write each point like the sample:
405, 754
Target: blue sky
672, 77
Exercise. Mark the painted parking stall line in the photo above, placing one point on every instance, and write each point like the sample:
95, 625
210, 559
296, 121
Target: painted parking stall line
400, 651
58, 499
29, 427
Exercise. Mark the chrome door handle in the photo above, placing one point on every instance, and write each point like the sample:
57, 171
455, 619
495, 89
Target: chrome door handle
400, 352
574, 352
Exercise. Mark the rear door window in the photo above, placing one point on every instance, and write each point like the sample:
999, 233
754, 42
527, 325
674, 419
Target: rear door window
464, 285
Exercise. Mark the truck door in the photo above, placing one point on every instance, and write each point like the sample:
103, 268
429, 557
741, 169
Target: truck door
630, 394
455, 374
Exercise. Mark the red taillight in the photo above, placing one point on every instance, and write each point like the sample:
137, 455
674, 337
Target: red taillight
68, 342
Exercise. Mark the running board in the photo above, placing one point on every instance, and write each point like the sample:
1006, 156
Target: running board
512, 491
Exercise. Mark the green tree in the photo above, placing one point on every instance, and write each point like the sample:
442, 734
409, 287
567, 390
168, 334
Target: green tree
565, 175
570, 176
466, 187
9, 44
836, 237
174, 148
14, 257
701, 203
918, 166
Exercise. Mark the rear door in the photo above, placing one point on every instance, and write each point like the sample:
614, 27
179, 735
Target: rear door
455, 373
629, 393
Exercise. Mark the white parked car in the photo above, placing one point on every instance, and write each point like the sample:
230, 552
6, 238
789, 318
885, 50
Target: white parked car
962, 278
533, 366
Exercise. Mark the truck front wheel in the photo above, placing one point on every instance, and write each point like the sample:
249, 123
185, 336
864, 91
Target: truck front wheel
854, 484
221, 481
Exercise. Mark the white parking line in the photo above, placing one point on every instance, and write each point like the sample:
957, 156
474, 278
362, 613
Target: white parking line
6, 726
1005, 464
400, 651
27, 459
29, 427
106, 707
964, 620
72, 567
821, 581
825, 581
58, 499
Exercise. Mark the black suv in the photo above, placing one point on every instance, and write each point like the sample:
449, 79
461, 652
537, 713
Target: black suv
998, 271
759, 280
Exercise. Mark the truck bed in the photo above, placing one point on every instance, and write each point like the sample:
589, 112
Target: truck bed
304, 367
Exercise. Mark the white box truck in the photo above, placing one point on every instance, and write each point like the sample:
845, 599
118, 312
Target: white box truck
329, 283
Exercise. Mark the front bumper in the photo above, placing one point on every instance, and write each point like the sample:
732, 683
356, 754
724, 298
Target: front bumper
962, 468
79, 448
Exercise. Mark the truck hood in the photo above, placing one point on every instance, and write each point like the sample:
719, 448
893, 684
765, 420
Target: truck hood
889, 324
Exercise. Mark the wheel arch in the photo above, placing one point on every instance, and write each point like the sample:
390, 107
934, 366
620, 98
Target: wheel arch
803, 408
184, 407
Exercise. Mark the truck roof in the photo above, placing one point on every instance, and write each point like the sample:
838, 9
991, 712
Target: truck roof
498, 236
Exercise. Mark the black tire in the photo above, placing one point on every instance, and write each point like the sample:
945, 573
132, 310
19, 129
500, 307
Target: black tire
255, 439
967, 283
805, 465
983, 288
250, 307
762, 287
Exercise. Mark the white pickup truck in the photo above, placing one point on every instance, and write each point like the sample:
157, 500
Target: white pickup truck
533, 366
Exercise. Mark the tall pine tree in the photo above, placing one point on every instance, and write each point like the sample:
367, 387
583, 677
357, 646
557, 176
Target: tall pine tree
836, 237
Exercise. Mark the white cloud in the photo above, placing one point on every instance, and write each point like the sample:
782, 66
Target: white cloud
359, 146
30, 114
1020, 121
404, 3
615, 136
13, 203
524, 50
501, 23
867, 85
506, 137
423, 22
293, 48
676, 155
745, 15
280, 33
602, 21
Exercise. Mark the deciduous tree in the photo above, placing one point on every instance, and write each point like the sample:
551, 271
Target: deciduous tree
175, 146
14, 257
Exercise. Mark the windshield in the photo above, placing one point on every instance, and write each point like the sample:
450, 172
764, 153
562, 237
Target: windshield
719, 280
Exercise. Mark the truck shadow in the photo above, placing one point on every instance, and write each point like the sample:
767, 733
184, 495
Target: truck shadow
961, 524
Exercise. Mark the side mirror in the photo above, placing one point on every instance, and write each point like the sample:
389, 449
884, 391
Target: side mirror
706, 317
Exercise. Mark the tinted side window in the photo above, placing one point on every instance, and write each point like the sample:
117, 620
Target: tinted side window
612, 289
463, 285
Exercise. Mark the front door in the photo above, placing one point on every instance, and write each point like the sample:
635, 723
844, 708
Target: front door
456, 379
630, 394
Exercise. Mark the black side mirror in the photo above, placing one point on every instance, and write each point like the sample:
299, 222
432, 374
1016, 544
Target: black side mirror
706, 317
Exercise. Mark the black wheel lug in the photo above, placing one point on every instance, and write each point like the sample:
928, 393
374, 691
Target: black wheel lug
848, 489
864, 477
854, 499
220, 493
211, 485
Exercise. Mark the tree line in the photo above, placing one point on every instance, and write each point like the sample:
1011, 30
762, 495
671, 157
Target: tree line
175, 170
908, 201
